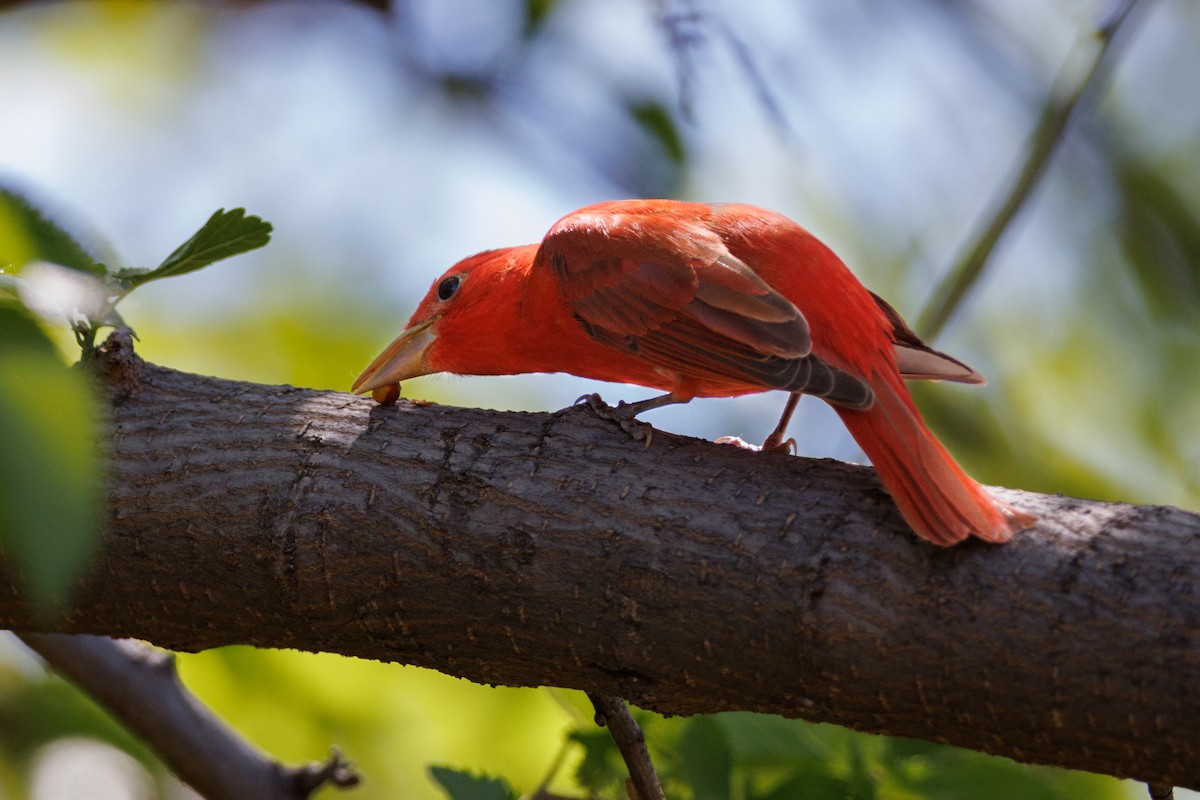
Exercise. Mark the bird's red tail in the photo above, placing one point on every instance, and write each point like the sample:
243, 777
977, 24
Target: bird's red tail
940, 501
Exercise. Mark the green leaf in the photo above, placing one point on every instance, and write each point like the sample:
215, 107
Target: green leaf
227, 233
705, 760
861, 781
813, 785
1160, 233
27, 234
767, 740
460, 785
536, 12
601, 767
50, 482
20, 333
657, 121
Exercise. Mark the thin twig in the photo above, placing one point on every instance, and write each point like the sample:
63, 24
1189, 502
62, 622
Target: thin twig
1065, 98
688, 27
614, 714
140, 687
683, 25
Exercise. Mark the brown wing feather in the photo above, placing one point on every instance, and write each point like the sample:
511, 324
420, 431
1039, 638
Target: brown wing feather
688, 306
918, 360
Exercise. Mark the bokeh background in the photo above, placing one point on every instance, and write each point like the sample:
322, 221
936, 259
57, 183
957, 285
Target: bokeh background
385, 144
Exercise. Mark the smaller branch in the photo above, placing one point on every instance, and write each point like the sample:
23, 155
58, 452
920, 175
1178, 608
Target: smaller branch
612, 713
140, 686
1056, 115
1159, 791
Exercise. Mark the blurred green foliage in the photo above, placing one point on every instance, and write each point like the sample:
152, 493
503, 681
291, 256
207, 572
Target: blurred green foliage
659, 123
50, 473
389, 721
28, 234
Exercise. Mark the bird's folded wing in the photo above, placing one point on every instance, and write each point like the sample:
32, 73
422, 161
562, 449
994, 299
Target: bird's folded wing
674, 295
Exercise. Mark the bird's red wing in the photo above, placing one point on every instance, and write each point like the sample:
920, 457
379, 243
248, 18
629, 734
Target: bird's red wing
672, 294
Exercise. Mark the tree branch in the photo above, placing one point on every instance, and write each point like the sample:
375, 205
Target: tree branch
612, 713
140, 687
550, 549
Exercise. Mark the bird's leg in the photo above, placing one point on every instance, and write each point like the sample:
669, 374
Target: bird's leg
775, 441
624, 414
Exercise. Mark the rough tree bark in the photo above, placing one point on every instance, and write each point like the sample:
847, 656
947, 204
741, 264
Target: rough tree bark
532, 549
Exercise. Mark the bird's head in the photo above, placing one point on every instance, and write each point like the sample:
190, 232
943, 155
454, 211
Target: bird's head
460, 325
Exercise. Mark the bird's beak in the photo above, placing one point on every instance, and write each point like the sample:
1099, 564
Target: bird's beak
404, 358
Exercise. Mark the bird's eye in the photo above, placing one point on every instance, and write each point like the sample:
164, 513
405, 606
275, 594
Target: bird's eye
448, 287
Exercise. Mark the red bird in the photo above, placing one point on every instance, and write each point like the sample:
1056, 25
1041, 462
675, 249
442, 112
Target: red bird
705, 301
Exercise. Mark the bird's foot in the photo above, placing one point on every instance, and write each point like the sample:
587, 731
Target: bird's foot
624, 414
773, 444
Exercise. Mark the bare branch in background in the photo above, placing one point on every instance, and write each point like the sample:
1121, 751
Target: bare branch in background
686, 26
1071, 90
140, 687
612, 713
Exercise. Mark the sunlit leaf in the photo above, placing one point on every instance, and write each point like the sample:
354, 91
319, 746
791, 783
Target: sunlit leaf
227, 233
50, 487
461, 785
27, 234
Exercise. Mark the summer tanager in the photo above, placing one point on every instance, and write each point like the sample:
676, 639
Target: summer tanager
705, 301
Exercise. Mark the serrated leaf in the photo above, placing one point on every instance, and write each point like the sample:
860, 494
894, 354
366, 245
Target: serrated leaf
27, 234
50, 485
227, 233
460, 785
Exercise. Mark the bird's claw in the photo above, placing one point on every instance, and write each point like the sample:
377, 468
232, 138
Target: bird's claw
737, 442
621, 414
777, 444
